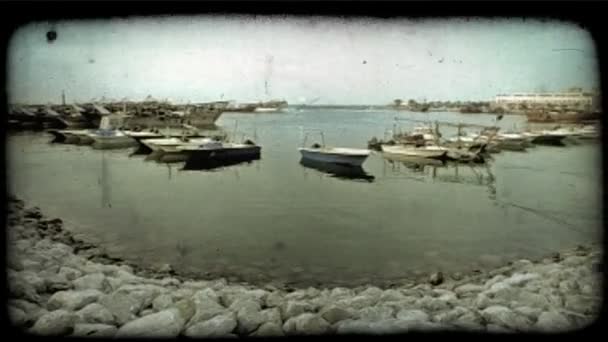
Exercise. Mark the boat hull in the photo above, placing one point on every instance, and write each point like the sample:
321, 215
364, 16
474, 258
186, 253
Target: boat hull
112, 142
208, 159
340, 159
415, 152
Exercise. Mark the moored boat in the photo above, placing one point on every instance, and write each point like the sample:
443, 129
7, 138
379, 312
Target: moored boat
433, 152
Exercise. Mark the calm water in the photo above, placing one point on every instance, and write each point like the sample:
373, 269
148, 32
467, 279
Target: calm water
275, 219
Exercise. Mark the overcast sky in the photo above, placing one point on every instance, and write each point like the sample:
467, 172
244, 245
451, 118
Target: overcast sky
338, 61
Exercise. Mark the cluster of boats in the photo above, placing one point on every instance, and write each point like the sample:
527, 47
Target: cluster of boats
202, 149
427, 142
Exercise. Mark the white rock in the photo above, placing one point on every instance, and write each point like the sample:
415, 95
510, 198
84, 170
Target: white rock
333, 314
358, 302
17, 316
552, 321
340, 293
272, 315
59, 322
409, 315
95, 313
503, 316
468, 289
306, 324
497, 329
69, 273
520, 279
206, 308
434, 304
124, 308
391, 295
451, 315
94, 330
218, 326
269, 329
162, 302
96, 281
376, 313
274, 299
164, 324
531, 313
294, 308
249, 319
73, 300
494, 280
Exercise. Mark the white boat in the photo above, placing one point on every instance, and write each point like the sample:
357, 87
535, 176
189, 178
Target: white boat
108, 137
335, 155
266, 109
171, 144
435, 152
111, 139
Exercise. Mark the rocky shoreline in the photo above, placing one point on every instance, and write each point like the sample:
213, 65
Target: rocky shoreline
62, 286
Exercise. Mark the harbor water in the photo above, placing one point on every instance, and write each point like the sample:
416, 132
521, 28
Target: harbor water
276, 220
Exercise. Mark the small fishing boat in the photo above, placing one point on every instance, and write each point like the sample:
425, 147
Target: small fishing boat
104, 139
546, 137
336, 155
433, 152
219, 152
108, 137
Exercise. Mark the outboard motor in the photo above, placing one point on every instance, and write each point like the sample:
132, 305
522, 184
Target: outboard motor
316, 145
249, 142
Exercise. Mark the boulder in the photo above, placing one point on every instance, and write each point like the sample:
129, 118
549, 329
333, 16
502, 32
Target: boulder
55, 323
307, 324
272, 315
531, 313
96, 281
142, 292
17, 316
391, 295
519, 279
58, 282
408, 315
497, 329
249, 318
586, 305
31, 310
436, 278
294, 308
164, 324
73, 300
205, 308
94, 330
358, 302
95, 313
186, 309
123, 307
218, 326
434, 304
553, 322
269, 329
334, 314
162, 302
69, 273
274, 299
467, 289
376, 313
451, 315
504, 316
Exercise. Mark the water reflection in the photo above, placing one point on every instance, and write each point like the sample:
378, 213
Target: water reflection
446, 172
338, 171
210, 164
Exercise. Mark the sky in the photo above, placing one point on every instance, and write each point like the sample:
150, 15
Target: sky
298, 59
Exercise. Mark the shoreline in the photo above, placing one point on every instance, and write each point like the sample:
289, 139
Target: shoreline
60, 285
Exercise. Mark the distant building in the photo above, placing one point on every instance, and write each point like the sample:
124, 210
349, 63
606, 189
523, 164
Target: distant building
574, 97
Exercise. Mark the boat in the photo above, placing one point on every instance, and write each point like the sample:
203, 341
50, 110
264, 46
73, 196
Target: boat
216, 153
336, 155
108, 137
546, 138
266, 109
433, 152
